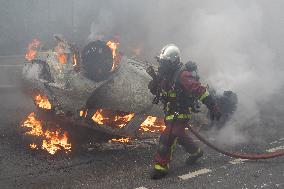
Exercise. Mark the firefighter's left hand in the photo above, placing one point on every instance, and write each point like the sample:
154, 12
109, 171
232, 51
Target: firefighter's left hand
215, 113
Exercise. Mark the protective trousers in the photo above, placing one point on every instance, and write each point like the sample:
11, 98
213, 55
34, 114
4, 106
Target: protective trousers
174, 133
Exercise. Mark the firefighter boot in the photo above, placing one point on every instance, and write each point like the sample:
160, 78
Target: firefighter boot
194, 157
159, 171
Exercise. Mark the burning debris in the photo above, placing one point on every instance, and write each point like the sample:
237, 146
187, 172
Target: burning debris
51, 141
32, 50
33, 146
42, 102
153, 125
115, 119
61, 51
121, 140
113, 46
75, 60
118, 119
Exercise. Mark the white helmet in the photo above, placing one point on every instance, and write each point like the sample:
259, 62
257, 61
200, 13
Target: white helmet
169, 53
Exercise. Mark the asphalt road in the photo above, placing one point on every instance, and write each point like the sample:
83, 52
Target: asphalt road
128, 167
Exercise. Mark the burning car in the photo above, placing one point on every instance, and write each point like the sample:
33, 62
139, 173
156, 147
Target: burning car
98, 87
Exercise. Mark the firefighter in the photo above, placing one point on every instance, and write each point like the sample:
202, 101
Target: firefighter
177, 86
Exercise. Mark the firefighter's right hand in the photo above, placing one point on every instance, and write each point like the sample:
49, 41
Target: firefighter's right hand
215, 113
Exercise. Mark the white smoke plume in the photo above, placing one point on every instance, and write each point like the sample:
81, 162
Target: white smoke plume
227, 39
102, 26
232, 54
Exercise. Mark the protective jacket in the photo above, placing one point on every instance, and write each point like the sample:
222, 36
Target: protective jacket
181, 91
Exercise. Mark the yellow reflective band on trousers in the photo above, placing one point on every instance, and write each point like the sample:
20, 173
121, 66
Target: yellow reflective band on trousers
205, 94
172, 94
180, 116
161, 168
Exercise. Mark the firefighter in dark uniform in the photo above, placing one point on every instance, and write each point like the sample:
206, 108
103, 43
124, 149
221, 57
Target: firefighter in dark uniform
178, 87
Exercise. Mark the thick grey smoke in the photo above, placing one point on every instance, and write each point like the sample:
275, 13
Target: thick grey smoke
237, 44
230, 46
229, 41
101, 26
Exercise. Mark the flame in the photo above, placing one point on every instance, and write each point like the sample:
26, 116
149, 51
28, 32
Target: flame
112, 118
121, 140
84, 113
33, 146
34, 125
62, 58
118, 119
53, 141
124, 119
60, 51
32, 50
99, 118
42, 102
113, 46
74, 60
153, 124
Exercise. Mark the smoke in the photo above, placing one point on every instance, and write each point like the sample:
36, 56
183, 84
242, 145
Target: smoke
239, 59
232, 54
102, 26
237, 44
227, 39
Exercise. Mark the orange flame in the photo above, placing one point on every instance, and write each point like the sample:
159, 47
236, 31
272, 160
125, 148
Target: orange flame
53, 141
113, 46
32, 50
42, 102
34, 125
84, 113
99, 118
118, 119
153, 125
74, 60
121, 140
113, 118
60, 50
33, 146
62, 58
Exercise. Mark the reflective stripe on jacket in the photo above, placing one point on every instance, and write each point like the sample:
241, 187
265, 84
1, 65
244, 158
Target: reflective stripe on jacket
176, 102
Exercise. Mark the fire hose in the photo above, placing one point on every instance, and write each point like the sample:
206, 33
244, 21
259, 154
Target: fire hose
237, 154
